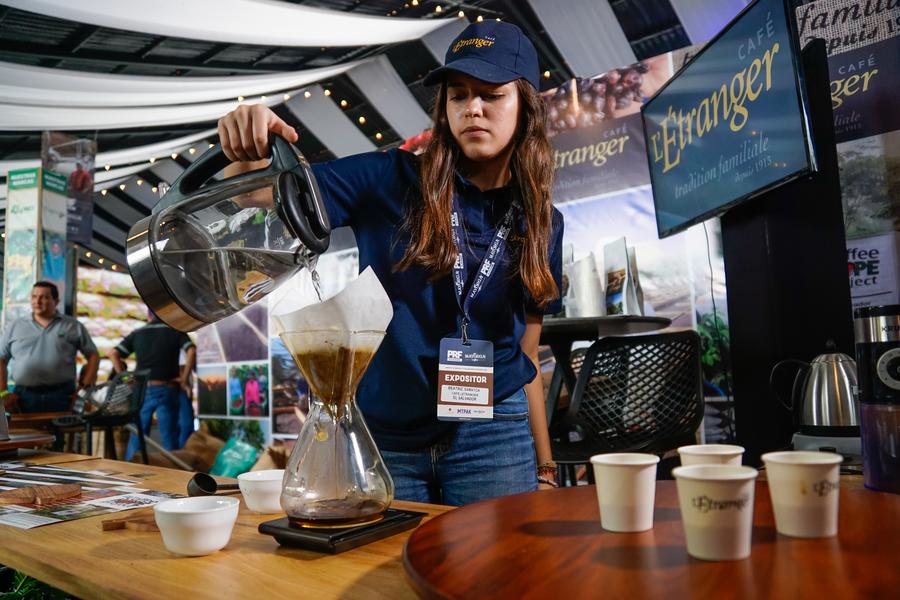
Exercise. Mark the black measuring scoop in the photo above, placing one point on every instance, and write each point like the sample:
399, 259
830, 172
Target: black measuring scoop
202, 484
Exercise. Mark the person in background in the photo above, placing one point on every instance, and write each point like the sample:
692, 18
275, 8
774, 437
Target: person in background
42, 349
81, 183
235, 390
157, 347
263, 385
186, 397
251, 395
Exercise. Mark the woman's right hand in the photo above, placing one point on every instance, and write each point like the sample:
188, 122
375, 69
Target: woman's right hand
244, 132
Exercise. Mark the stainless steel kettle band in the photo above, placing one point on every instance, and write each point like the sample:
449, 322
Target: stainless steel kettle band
877, 329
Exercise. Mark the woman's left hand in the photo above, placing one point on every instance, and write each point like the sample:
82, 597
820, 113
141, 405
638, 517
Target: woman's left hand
545, 486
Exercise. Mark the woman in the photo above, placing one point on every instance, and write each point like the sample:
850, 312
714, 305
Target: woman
251, 395
235, 393
489, 165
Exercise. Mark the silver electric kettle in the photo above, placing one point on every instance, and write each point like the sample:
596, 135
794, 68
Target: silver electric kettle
212, 247
823, 395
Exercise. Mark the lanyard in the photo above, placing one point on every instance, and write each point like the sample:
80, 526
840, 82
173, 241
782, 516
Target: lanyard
485, 270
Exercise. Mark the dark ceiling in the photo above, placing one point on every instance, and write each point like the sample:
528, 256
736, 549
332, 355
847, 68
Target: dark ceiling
651, 27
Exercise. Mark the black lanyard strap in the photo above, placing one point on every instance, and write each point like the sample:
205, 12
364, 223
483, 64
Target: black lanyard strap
485, 270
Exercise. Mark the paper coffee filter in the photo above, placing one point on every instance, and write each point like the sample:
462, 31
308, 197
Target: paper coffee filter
361, 306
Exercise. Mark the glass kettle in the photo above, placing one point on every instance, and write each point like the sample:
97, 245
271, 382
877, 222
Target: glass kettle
211, 247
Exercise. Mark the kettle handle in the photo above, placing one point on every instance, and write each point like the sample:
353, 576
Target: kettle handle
214, 160
774, 388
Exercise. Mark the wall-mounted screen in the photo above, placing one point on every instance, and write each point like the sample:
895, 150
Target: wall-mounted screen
732, 123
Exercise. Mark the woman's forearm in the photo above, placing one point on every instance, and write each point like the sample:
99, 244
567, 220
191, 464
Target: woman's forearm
537, 415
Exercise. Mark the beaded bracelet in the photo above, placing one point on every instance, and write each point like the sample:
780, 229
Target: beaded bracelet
547, 468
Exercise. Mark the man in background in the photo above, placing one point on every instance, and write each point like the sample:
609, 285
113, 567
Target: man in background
42, 349
81, 183
157, 348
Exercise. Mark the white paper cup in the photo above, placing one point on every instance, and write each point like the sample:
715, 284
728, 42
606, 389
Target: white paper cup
626, 489
804, 489
717, 509
196, 526
711, 454
262, 490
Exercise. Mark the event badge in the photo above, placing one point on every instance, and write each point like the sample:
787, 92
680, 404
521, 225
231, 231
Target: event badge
466, 380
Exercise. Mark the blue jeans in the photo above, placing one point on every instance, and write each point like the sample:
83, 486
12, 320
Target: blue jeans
45, 398
480, 460
163, 400
185, 418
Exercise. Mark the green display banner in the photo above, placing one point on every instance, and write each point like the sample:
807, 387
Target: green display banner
23, 179
55, 182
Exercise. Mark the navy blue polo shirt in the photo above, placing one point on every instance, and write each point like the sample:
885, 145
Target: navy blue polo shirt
371, 193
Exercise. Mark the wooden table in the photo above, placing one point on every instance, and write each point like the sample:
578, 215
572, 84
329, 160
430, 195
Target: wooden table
38, 420
46, 457
23, 438
560, 334
549, 544
82, 560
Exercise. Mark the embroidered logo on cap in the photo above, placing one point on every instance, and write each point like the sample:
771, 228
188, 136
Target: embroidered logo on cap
477, 42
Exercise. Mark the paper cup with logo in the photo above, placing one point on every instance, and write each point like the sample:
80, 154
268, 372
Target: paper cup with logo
804, 490
717, 509
711, 454
626, 490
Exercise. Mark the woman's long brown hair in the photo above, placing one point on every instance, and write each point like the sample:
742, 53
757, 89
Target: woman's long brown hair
531, 164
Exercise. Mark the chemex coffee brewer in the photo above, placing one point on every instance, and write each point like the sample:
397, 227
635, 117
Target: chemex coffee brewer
877, 331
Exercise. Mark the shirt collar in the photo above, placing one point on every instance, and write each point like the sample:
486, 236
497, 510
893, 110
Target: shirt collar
464, 184
56, 315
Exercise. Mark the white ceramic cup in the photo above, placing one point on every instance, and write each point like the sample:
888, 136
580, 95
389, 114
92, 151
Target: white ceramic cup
196, 526
626, 489
717, 509
262, 490
711, 454
804, 489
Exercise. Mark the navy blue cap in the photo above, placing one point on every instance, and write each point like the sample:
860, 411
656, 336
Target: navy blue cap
492, 51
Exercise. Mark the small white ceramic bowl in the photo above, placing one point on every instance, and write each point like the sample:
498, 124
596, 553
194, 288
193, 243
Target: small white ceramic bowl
196, 526
262, 490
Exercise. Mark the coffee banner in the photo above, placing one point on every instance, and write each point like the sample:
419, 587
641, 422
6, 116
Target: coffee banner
53, 232
20, 260
607, 157
73, 159
873, 269
864, 84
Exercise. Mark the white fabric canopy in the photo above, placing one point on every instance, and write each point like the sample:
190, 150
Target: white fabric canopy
124, 156
264, 22
15, 117
39, 86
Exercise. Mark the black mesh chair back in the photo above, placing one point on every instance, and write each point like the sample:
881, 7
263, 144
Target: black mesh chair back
633, 394
121, 405
556, 409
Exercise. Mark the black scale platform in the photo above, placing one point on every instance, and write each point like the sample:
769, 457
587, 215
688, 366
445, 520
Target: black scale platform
341, 539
